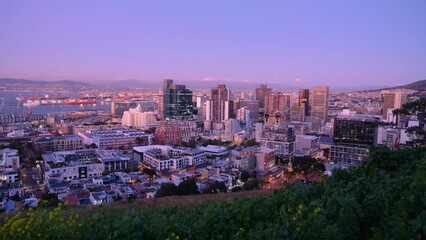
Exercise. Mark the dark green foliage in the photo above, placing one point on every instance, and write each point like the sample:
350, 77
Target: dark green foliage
191, 144
306, 165
244, 176
417, 108
149, 171
188, 187
382, 199
251, 184
216, 187
92, 146
49, 200
131, 198
250, 143
215, 142
167, 189
20, 146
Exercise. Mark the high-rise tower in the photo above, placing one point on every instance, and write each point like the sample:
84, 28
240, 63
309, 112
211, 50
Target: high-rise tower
392, 100
304, 103
220, 103
261, 93
319, 107
177, 101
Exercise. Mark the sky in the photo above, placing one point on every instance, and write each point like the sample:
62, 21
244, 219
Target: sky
286, 44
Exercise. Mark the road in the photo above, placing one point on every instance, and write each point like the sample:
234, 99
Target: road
31, 181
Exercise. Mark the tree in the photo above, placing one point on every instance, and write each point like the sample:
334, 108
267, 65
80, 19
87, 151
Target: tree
244, 176
30, 161
251, 184
49, 200
93, 146
251, 142
216, 187
417, 133
188, 187
149, 171
167, 189
18, 145
306, 165
131, 198
192, 143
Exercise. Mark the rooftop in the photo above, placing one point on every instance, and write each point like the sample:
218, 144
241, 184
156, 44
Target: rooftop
114, 133
71, 137
87, 156
213, 148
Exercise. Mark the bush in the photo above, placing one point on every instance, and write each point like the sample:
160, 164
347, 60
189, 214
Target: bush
373, 201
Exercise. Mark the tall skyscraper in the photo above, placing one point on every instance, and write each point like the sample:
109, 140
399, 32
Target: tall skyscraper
392, 100
177, 101
160, 104
319, 107
278, 101
261, 93
304, 104
220, 101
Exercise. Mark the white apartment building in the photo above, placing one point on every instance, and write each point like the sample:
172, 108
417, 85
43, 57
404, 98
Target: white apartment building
79, 164
161, 157
9, 158
8, 175
136, 117
124, 139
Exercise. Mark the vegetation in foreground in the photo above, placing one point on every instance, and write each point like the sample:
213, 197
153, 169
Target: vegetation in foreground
385, 198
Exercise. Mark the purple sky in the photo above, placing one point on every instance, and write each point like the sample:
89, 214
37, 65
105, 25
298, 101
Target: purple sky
343, 44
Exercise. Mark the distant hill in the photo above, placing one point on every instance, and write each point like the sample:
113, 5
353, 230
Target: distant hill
419, 85
127, 83
14, 83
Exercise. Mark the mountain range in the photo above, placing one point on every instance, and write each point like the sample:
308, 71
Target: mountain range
419, 85
134, 83
16, 83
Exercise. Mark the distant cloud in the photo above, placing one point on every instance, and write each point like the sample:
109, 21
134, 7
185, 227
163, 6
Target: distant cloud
298, 80
214, 79
247, 81
208, 79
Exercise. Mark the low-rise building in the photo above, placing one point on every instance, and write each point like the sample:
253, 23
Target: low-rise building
124, 139
280, 138
57, 143
172, 132
348, 155
9, 158
307, 145
160, 157
80, 164
265, 159
216, 152
8, 175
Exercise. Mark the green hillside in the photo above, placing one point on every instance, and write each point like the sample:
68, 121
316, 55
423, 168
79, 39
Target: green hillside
385, 198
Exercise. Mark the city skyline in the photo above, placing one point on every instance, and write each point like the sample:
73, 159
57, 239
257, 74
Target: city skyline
292, 45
